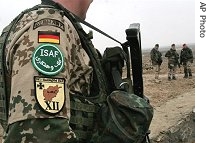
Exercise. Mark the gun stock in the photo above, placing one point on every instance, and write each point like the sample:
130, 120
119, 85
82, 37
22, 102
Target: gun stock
134, 41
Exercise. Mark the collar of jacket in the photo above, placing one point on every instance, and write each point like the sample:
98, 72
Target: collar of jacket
56, 5
49, 2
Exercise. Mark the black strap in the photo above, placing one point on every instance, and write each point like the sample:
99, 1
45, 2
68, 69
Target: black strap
80, 20
96, 29
89, 48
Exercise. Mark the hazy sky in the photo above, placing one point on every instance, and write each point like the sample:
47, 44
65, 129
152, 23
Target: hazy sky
162, 21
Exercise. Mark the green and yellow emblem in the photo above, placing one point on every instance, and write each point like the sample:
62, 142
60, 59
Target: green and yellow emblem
48, 59
50, 93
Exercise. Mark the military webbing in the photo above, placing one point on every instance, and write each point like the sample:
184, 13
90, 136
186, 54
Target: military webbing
83, 132
85, 135
78, 117
3, 87
3, 115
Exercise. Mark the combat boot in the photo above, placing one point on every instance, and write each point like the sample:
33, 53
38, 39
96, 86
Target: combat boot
185, 76
174, 78
169, 78
185, 73
190, 74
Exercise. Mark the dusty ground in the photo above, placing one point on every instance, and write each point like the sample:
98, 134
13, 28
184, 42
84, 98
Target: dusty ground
165, 90
172, 100
160, 93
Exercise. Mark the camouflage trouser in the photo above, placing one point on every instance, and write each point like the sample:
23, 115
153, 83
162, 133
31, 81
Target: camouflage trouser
172, 70
55, 130
187, 68
157, 71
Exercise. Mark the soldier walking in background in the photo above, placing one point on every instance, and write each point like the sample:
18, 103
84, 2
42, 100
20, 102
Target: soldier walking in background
173, 62
156, 58
186, 59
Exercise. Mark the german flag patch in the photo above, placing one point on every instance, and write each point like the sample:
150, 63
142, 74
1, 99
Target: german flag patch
48, 37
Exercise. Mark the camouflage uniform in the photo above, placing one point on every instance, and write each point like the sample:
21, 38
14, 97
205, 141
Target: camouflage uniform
32, 118
186, 59
173, 62
156, 58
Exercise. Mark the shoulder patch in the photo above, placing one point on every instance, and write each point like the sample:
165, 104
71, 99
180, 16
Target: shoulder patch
48, 59
50, 93
49, 22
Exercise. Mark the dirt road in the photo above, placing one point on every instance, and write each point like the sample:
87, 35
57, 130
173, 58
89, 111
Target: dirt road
169, 114
173, 101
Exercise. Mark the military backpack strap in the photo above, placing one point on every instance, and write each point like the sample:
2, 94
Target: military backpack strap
4, 89
3, 109
98, 92
83, 119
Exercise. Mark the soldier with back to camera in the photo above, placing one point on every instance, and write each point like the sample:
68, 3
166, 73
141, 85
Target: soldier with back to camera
156, 58
173, 62
186, 59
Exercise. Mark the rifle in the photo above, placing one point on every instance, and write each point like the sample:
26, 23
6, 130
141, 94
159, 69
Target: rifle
134, 41
178, 62
134, 82
114, 61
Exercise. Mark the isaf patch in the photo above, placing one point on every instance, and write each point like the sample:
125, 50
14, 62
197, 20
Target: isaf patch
48, 59
48, 37
50, 93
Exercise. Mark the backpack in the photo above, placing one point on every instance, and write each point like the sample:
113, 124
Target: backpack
124, 118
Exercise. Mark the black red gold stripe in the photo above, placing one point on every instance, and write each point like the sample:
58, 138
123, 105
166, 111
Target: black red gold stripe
48, 37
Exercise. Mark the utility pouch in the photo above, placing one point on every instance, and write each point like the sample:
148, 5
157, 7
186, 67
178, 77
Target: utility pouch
124, 118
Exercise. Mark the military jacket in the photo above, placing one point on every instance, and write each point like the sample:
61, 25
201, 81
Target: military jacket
46, 63
173, 56
156, 56
186, 55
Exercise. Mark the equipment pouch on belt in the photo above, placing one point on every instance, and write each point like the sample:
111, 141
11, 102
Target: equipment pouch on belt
125, 118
